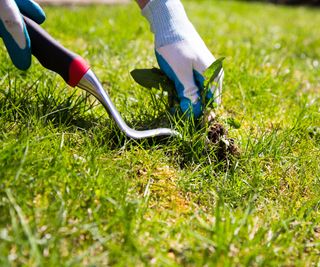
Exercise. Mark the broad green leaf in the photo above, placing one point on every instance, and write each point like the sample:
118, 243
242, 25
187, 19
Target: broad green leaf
156, 78
213, 71
152, 78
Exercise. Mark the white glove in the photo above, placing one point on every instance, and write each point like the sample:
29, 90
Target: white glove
13, 30
181, 54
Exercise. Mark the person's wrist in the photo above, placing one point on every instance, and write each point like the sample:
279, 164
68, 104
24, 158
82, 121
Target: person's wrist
168, 21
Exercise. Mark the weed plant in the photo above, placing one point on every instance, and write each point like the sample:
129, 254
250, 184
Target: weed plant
74, 191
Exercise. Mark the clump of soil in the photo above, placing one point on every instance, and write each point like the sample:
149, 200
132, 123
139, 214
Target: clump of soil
216, 132
219, 141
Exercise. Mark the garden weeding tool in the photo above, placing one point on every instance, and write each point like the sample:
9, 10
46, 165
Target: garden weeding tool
77, 73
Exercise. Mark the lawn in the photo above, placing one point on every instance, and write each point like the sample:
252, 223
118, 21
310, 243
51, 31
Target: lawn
74, 191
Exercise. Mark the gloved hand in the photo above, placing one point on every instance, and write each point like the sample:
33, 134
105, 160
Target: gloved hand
181, 54
13, 29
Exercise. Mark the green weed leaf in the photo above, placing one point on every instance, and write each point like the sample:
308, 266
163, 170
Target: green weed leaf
156, 78
152, 78
212, 72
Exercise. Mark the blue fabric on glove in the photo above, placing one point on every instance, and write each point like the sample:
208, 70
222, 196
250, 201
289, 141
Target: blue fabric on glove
32, 10
185, 104
181, 54
21, 56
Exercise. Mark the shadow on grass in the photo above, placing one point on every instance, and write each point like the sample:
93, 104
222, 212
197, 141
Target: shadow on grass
46, 104
49, 104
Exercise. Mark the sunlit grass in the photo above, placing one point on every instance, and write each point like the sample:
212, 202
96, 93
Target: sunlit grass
74, 191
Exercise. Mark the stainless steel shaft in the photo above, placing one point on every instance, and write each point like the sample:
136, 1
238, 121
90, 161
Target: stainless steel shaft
90, 83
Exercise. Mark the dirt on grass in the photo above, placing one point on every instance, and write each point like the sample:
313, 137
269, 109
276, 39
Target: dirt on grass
224, 146
218, 138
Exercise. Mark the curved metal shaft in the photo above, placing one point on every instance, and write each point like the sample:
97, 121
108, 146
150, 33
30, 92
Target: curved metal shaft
91, 84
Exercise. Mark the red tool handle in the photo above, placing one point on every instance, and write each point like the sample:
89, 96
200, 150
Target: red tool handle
54, 56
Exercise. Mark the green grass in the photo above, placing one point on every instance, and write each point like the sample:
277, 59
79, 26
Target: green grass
75, 192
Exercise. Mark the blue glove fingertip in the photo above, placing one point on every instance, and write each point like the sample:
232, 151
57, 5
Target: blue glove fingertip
21, 58
191, 110
32, 10
197, 110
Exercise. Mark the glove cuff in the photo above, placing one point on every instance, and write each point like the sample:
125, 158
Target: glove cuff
168, 21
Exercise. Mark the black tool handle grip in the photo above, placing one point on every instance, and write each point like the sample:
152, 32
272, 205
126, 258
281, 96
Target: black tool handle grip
54, 56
